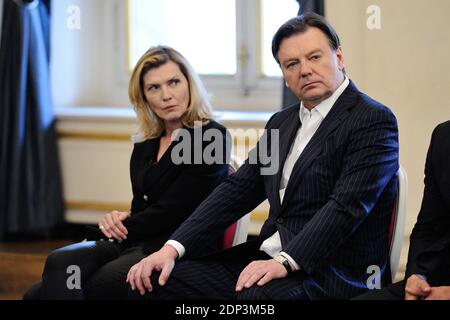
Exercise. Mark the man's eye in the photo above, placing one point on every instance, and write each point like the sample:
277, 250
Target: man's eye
315, 57
290, 65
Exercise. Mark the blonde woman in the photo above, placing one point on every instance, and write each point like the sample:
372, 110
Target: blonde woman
172, 171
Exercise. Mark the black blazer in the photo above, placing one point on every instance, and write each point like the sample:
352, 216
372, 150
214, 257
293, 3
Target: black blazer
334, 220
166, 193
429, 251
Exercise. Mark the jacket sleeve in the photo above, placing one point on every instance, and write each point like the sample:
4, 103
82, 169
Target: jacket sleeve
231, 200
370, 162
194, 183
178, 202
432, 223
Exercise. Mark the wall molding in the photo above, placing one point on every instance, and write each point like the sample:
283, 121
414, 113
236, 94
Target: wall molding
259, 214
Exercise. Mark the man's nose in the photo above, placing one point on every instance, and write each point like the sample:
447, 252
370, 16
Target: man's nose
305, 69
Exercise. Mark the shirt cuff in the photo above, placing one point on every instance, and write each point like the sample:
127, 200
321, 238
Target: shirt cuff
294, 265
178, 246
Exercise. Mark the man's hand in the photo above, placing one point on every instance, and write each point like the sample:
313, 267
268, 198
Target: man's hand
260, 272
162, 260
416, 288
439, 293
112, 227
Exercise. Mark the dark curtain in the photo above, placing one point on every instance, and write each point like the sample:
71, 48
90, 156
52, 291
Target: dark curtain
317, 6
31, 201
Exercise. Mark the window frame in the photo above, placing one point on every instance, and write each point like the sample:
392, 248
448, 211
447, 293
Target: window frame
248, 89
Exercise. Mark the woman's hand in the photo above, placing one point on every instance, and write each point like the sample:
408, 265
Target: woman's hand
112, 227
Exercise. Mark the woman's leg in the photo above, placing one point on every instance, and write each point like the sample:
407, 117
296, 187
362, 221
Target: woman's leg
34, 293
67, 269
109, 282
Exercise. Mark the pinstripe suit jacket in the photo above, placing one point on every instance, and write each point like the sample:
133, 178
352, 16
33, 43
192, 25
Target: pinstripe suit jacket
334, 220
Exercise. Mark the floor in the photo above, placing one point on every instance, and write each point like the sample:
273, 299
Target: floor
21, 265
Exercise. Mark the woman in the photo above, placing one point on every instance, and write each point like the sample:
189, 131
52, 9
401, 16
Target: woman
168, 182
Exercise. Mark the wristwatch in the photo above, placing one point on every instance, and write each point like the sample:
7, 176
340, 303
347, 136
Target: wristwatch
282, 260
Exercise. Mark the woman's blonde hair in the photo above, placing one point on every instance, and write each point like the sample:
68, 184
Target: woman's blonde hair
149, 124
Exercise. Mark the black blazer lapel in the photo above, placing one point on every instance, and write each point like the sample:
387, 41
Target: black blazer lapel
158, 168
338, 112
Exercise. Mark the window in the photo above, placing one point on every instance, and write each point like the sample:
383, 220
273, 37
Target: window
208, 41
227, 41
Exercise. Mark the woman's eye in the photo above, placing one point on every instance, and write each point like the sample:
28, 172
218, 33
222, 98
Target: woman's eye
152, 88
174, 82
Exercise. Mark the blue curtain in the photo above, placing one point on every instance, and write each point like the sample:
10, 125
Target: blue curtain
317, 6
31, 201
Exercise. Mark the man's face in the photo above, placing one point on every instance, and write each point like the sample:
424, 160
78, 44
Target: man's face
311, 68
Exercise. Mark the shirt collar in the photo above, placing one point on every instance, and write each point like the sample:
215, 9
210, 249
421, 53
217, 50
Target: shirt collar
325, 106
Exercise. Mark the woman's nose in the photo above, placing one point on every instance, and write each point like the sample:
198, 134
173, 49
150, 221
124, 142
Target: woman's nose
166, 96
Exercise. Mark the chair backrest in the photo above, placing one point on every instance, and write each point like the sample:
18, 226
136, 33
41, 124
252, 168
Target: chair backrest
238, 231
397, 228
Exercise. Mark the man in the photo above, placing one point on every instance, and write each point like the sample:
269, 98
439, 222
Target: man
428, 269
330, 200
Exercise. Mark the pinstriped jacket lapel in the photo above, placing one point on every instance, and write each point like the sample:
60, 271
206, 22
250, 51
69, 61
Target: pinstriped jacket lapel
287, 133
338, 112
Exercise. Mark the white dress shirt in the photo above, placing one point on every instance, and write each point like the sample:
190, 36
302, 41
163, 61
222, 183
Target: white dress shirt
311, 121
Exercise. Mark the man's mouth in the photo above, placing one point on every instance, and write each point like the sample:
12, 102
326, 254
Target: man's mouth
309, 84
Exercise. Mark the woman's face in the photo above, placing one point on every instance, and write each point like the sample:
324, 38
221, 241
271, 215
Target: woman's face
166, 90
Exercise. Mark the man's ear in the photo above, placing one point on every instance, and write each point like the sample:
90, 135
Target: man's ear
340, 58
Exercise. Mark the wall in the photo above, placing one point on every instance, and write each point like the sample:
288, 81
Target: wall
85, 62
406, 66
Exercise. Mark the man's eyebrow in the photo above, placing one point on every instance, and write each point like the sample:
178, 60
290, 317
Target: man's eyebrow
289, 60
314, 51
296, 59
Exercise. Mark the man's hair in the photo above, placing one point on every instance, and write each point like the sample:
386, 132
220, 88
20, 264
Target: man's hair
300, 24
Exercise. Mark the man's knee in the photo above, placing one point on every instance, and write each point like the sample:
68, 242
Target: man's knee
253, 293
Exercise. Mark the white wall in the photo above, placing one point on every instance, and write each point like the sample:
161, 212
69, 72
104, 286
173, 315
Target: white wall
84, 64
